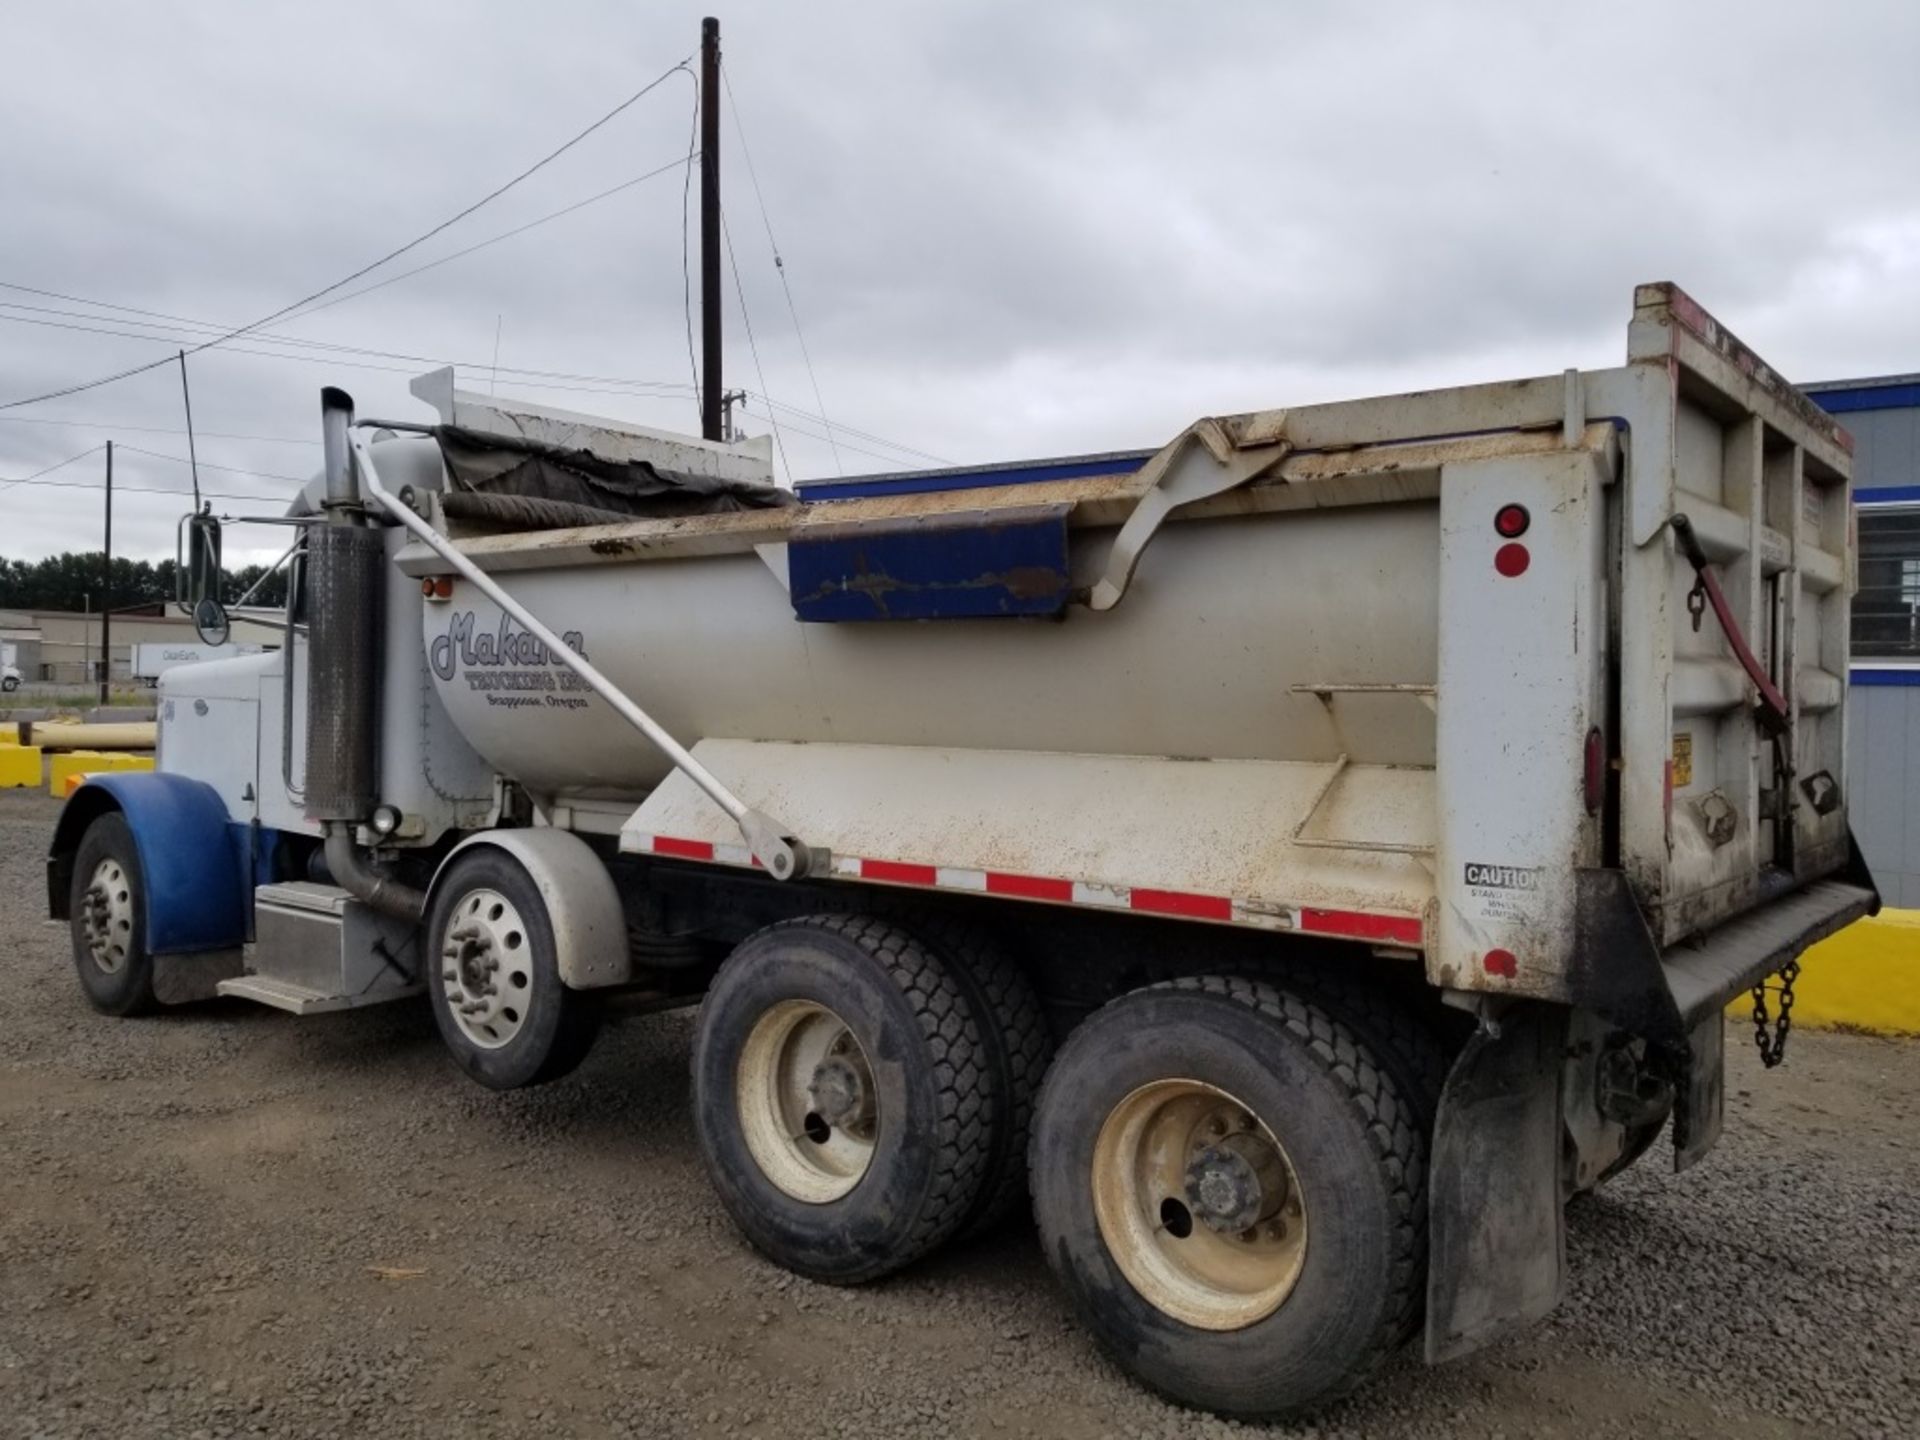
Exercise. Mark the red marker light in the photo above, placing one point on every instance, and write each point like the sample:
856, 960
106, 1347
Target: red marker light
1501, 963
1512, 521
1512, 560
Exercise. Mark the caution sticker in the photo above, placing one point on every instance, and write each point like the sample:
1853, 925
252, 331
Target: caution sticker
1497, 892
1682, 760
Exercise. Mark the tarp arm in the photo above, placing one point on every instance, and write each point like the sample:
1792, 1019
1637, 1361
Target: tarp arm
1204, 461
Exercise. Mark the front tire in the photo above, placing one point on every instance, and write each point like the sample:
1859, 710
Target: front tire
842, 1096
494, 978
1231, 1188
108, 919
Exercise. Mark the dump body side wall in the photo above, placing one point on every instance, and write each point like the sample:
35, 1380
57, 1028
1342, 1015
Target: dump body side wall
1226, 618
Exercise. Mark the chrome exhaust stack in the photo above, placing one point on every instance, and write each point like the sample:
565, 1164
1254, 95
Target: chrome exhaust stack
346, 559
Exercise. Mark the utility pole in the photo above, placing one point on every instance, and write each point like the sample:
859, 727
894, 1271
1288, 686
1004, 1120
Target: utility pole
106, 589
710, 392
186, 398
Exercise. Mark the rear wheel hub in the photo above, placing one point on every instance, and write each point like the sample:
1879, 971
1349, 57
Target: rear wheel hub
840, 1091
1236, 1183
1198, 1204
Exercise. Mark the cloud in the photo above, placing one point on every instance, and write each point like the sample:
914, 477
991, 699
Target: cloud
1009, 229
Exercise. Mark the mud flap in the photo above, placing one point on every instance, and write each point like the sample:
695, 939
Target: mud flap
1498, 1242
196, 975
1699, 1108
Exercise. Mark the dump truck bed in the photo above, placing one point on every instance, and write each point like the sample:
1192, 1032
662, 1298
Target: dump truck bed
1335, 686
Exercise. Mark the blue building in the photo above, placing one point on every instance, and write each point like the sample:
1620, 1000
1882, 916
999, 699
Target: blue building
1883, 729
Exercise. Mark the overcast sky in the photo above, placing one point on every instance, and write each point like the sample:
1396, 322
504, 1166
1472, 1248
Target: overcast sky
1010, 229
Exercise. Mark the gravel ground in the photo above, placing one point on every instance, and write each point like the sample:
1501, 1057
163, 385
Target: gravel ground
226, 1221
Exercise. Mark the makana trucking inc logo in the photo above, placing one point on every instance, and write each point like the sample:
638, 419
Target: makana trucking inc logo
510, 667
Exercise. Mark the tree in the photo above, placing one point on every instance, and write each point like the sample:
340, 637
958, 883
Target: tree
71, 581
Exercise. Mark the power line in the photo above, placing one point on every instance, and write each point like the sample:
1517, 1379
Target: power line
845, 429
752, 349
39, 476
779, 266
486, 199
226, 335
154, 430
323, 347
57, 465
532, 379
122, 489
281, 338
209, 465
807, 430
495, 240
393, 254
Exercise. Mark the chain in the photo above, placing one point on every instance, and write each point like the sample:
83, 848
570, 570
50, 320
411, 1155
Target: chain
1773, 1047
1697, 603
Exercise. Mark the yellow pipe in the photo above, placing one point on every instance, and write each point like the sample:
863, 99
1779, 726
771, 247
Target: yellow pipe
74, 735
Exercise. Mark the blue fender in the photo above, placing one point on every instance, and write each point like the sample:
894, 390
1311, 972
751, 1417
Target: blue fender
196, 861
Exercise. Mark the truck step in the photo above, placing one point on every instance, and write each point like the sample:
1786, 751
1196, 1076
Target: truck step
299, 1000
305, 895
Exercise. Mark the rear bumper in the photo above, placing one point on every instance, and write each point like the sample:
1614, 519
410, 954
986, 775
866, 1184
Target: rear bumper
1736, 956
1619, 972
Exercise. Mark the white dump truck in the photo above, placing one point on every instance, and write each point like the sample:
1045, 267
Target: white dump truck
1301, 858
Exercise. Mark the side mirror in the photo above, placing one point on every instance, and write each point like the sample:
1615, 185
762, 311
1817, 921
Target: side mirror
197, 572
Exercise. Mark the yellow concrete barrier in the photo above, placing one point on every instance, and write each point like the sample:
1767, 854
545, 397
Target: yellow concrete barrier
65, 772
19, 766
1865, 978
9, 732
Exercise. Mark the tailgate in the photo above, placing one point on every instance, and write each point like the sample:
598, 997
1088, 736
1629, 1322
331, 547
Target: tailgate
1722, 807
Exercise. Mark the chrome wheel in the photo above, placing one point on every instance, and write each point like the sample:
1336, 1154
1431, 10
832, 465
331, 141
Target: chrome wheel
1199, 1205
486, 968
807, 1106
106, 916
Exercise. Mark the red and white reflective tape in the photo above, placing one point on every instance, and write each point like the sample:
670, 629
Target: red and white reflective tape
1371, 926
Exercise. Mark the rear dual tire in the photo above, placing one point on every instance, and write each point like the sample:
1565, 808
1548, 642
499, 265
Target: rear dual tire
842, 1096
1180, 1113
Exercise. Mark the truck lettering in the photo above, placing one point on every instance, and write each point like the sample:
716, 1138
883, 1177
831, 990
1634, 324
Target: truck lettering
504, 645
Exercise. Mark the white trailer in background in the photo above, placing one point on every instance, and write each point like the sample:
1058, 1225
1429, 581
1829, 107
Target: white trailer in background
1376, 803
153, 659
